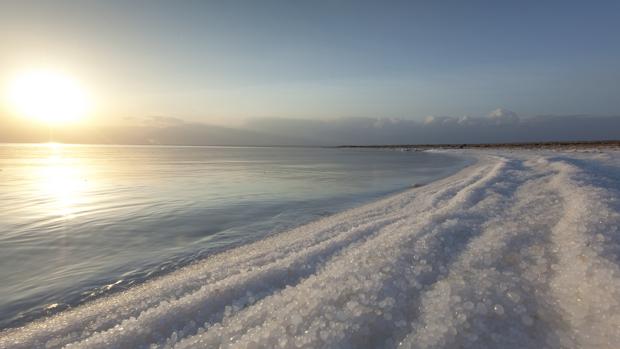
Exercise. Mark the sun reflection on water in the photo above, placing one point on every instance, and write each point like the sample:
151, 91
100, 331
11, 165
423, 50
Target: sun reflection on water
62, 182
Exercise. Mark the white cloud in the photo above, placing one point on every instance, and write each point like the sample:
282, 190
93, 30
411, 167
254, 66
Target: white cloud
500, 125
503, 116
498, 116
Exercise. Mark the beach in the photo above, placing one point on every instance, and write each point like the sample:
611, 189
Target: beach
519, 250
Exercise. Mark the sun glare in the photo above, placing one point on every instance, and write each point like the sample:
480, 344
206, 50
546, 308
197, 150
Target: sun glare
48, 96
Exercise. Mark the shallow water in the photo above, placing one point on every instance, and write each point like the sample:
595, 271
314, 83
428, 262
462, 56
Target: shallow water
80, 221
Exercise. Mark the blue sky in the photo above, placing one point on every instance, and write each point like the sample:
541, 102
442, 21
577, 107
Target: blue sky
221, 61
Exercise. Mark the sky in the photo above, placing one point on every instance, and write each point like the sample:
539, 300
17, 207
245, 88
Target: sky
244, 64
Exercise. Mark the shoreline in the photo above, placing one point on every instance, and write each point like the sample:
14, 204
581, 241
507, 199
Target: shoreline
493, 255
51, 300
607, 144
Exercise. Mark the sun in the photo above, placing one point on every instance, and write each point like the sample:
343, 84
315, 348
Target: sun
48, 96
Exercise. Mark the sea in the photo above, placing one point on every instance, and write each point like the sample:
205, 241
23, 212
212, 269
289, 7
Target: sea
81, 221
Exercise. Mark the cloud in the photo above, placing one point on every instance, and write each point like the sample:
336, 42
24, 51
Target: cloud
499, 116
503, 116
500, 125
154, 121
143, 130
163, 121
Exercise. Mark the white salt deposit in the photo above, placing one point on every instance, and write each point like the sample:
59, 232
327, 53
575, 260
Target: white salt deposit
520, 250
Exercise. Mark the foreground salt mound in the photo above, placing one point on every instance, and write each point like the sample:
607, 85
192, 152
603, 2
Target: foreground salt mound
521, 250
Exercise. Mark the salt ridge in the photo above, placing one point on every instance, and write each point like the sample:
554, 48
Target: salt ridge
520, 250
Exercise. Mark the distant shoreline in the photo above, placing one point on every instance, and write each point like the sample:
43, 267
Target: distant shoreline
613, 144
525, 145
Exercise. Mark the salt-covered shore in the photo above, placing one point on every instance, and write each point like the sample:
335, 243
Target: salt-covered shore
520, 250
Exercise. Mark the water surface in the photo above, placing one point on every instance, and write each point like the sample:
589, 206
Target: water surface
78, 221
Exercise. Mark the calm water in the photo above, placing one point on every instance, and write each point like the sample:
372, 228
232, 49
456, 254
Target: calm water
79, 221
